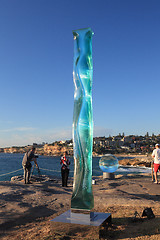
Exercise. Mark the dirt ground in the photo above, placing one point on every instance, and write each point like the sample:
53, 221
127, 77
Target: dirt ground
26, 210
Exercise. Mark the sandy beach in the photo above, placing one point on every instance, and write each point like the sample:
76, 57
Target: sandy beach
26, 210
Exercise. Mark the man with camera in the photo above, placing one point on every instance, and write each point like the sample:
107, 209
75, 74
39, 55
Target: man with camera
26, 163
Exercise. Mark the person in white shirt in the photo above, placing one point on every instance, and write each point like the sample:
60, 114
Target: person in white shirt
156, 156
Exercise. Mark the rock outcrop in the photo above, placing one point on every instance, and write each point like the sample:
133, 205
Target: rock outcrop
137, 161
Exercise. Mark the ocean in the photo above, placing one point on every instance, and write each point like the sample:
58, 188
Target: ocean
11, 165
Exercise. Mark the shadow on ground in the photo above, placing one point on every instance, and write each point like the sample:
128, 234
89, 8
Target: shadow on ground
33, 214
129, 227
122, 228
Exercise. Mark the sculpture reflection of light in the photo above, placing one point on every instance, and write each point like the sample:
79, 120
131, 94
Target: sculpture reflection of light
82, 197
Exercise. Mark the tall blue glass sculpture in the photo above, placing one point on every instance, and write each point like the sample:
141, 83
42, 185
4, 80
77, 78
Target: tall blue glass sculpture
82, 197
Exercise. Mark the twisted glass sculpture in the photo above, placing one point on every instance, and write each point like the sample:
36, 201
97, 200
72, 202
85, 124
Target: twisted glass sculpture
82, 197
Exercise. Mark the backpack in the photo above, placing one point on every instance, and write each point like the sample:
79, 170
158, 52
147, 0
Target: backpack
148, 213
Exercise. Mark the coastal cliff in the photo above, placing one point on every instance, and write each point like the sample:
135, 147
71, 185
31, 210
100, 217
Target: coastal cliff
46, 149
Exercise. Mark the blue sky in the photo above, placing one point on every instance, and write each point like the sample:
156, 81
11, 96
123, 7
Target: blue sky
36, 65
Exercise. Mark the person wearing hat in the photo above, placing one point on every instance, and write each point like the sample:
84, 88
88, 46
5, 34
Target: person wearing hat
26, 164
156, 156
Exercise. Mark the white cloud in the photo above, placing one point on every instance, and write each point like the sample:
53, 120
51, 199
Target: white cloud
22, 136
18, 129
27, 136
58, 134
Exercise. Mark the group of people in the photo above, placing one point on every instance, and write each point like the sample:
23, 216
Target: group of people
30, 156
64, 161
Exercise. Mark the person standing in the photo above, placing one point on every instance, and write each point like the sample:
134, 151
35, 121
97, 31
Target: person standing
156, 156
64, 169
26, 164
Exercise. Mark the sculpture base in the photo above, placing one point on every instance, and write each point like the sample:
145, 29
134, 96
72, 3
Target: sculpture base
98, 221
110, 176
